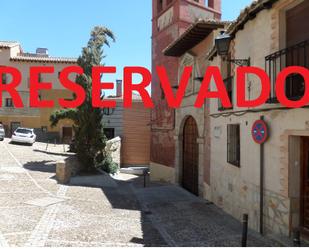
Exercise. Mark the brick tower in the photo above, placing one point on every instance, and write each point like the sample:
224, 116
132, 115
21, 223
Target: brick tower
170, 19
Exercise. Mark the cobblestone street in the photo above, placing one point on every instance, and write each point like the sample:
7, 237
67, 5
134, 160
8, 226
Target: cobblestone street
36, 211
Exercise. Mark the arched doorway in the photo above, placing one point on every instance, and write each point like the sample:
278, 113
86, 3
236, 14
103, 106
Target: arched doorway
190, 156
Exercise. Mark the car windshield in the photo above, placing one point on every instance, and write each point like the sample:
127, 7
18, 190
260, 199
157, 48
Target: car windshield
24, 131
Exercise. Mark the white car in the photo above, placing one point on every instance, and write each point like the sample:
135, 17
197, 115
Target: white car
23, 135
2, 132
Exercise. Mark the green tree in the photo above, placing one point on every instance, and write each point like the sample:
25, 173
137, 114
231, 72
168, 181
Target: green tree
90, 140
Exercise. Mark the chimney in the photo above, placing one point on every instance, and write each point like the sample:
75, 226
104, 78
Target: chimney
118, 88
42, 51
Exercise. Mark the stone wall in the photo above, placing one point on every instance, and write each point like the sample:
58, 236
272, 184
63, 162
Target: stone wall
113, 147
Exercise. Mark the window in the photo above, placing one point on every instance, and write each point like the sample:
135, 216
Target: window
211, 4
233, 144
226, 67
187, 61
160, 6
228, 83
4, 79
8, 102
109, 133
162, 93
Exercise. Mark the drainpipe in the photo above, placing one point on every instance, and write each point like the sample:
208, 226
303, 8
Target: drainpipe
262, 186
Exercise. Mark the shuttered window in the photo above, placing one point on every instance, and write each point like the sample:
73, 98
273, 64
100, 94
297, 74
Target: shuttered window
233, 144
8, 102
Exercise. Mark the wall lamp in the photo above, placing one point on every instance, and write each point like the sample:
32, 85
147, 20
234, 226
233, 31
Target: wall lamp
108, 111
222, 43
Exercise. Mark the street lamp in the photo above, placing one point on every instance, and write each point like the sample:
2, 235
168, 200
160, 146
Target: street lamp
222, 43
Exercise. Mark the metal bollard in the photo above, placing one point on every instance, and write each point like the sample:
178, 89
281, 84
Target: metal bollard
145, 172
47, 145
296, 238
244, 230
55, 142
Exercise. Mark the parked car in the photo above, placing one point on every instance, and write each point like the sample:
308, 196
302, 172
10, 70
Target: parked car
2, 132
23, 135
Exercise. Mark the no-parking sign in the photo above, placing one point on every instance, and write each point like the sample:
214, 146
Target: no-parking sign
259, 131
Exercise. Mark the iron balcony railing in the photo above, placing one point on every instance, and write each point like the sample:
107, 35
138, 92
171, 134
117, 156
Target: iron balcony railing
297, 55
228, 82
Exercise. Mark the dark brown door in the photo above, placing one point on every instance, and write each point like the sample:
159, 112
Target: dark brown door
297, 32
67, 133
297, 24
305, 187
190, 156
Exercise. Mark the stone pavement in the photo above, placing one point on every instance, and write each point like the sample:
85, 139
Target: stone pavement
185, 220
36, 211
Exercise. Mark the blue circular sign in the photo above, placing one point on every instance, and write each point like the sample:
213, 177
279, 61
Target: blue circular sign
259, 131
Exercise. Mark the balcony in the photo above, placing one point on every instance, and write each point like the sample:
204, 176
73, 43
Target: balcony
297, 55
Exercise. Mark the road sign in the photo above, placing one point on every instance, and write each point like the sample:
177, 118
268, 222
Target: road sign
259, 131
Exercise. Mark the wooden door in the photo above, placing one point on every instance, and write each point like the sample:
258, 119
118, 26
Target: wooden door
67, 133
305, 187
14, 126
190, 156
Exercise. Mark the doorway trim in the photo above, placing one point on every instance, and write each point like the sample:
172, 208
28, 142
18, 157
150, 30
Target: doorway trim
179, 149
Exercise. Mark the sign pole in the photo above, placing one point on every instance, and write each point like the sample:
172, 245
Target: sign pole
260, 134
262, 185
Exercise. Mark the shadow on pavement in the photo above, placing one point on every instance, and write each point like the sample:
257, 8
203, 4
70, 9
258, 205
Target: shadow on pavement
118, 193
52, 153
41, 166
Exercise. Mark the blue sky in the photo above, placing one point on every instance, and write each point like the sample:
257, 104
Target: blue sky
63, 26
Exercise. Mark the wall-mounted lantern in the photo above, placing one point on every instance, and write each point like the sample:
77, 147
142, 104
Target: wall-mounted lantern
222, 43
108, 111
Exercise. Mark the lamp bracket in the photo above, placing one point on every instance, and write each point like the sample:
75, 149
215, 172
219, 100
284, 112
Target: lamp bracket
240, 62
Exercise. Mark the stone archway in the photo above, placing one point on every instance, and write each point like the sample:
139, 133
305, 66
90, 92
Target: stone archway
190, 162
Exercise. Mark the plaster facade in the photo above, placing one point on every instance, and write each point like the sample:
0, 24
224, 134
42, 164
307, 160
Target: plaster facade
38, 118
237, 189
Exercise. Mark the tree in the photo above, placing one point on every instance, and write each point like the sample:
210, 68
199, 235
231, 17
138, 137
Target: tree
90, 140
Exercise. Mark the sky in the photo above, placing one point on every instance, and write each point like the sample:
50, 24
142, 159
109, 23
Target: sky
63, 26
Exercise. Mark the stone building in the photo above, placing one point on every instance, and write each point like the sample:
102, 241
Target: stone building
11, 54
274, 35
271, 187
192, 125
171, 18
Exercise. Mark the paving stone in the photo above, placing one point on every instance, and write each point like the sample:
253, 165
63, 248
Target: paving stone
101, 211
44, 202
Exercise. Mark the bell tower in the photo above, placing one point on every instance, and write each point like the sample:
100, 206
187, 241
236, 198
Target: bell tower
170, 18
